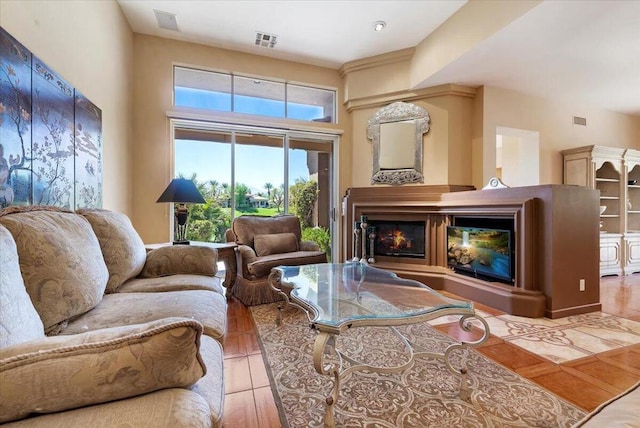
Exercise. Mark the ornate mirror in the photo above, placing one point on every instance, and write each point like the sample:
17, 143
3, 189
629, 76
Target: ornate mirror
396, 132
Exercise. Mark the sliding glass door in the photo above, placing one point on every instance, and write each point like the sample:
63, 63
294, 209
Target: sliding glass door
244, 170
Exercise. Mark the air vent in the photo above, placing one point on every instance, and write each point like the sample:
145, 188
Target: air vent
166, 20
579, 120
265, 40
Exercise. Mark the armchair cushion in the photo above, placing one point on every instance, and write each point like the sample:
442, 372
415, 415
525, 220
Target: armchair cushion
60, 260
122, 247
19, 321
246, 227
181, 259
309, 246
275, 243
262, 266
65, 372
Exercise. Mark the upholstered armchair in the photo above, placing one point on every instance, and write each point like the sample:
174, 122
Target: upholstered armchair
264, 243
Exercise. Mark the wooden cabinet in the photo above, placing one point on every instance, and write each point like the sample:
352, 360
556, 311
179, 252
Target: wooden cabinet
631, 161
615, 172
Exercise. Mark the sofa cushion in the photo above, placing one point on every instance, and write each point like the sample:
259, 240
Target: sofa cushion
19, 321
211, 386
60, 260
122, 247
263, 265
621, 411
181, 259
210, 309
172, 283
66, 372
275, 243
167, 408
247, 226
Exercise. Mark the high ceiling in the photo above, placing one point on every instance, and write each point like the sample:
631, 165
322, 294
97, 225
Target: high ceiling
584, 52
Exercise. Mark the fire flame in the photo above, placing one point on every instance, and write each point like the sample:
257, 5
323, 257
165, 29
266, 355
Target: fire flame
399, 241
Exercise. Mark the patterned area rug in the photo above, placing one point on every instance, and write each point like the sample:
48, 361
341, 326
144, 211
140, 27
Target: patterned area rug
424, 396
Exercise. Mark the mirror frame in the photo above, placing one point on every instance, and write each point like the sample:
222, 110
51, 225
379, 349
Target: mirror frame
398, 112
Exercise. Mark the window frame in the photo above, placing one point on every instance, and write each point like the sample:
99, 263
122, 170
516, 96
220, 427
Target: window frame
333, 92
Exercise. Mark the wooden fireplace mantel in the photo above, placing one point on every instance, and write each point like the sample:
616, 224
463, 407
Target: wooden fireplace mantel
555, 248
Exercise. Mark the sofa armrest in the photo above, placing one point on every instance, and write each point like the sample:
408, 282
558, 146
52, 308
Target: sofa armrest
66, 372
309, 246
180, 259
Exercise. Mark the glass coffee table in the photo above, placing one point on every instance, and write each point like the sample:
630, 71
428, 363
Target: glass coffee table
337, 297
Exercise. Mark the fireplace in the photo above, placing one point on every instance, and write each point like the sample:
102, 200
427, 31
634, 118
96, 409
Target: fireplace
399, 238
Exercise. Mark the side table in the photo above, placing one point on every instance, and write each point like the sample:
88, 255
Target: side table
226, 253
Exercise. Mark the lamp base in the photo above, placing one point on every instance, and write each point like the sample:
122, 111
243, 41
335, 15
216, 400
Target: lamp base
181, 243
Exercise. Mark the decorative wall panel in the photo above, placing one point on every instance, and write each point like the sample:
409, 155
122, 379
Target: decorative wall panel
50, 135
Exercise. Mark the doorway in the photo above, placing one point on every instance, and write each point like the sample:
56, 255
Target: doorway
517, 156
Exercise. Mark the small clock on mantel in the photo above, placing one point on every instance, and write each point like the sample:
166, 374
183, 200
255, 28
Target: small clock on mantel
495, 183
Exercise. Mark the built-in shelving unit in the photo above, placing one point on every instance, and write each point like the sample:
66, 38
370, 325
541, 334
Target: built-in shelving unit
632, 199
615, 172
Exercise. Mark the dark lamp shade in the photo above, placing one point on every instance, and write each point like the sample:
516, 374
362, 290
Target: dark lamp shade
181, 190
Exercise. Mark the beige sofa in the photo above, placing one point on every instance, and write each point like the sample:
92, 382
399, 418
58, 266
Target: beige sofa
622, 411
264, 243
96, 332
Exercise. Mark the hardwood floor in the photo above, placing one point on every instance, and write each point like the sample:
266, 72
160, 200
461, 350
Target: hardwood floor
585, 382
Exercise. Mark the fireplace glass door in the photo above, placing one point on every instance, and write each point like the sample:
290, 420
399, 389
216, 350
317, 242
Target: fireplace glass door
399, 238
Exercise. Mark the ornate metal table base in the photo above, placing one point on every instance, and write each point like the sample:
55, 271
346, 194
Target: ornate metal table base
326, 341
276, 285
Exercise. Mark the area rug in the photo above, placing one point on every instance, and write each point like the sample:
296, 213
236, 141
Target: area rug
424, 396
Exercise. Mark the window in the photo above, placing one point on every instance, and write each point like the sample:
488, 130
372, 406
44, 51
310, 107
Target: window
306, 103
260, 97
253, 170
227, 92
202, 89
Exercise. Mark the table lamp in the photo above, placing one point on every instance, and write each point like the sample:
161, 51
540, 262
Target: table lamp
181, 191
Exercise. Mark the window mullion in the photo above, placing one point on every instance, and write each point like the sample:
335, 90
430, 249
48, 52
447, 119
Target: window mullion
232, 190
286, 173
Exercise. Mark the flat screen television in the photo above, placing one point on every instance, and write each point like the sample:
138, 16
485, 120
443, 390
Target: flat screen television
484, 253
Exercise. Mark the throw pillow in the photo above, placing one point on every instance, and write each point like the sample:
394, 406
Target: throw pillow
275, 243
66, 372
181, 259
60, 260
122, 247
19, 321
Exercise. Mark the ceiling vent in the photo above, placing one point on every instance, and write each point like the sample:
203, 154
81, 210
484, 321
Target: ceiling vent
166, 20
579, 120
266, 40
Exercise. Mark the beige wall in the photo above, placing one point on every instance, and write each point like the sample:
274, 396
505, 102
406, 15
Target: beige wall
375, 82
90, 44
153, 92
460, 147
553, 120
474, 22
446, 147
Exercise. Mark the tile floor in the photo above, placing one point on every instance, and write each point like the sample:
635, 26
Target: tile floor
586, 359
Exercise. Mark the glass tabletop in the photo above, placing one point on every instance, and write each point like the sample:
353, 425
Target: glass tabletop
339, 293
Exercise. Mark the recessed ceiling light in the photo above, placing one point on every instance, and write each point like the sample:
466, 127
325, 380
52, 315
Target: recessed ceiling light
257, 82
379, 25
